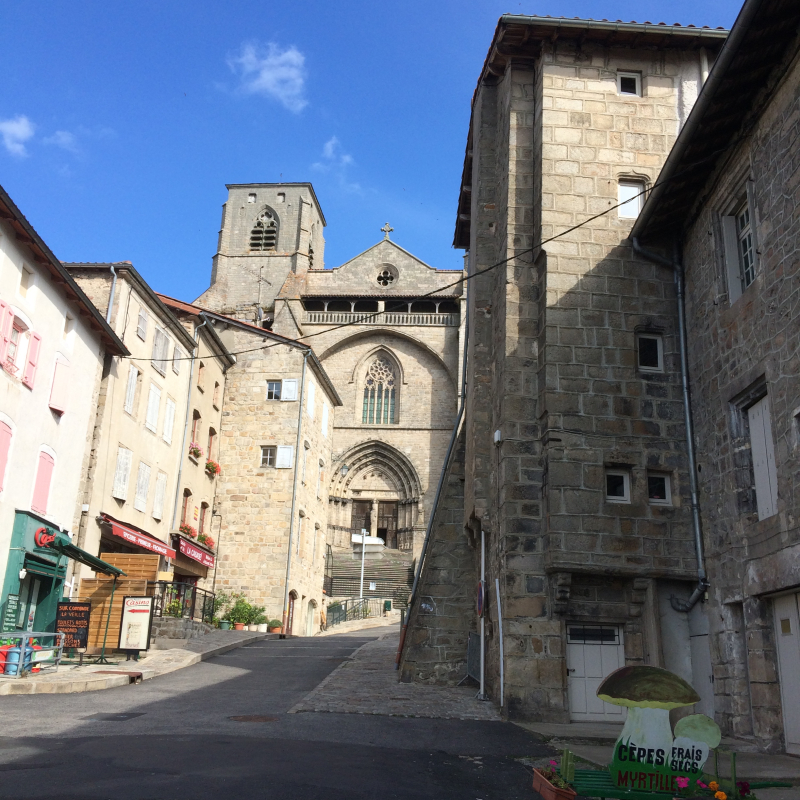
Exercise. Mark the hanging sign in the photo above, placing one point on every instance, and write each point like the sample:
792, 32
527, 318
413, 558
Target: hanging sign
134, 629
647, 757
72, 619
195, 553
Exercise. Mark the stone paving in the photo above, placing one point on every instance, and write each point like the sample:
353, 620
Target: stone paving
367, 683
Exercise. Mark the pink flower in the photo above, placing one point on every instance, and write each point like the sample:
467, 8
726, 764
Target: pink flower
682, 782
702, 785
554, 763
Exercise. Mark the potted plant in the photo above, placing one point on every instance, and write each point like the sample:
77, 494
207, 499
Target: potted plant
188, 530
213, 468
240, 613
260, 621
255, 613
550, 785
195, 451
274, 626
224, 624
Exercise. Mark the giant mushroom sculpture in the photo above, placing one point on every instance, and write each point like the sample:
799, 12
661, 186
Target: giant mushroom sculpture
649, 693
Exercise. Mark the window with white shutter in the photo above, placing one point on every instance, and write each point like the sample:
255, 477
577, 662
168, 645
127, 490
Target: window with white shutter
325, 412
141, 325
312, 391
153, 403
158, 498
122, 474
142, 487
284, 457
763, 452
130, 389
177, 357
160, 350
289, 389
169, 420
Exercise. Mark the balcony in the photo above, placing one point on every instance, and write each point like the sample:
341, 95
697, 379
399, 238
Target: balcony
379, 318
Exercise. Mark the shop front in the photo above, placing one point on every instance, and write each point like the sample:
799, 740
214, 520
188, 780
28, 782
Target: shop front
192, 561
123, 538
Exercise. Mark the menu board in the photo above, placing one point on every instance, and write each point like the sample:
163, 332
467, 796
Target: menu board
72, 619
134, 629
10, 622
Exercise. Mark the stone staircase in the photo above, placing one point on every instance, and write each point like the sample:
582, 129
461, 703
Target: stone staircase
392, 571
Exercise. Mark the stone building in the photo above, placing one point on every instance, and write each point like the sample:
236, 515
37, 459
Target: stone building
391, 350
573, 445
728, 207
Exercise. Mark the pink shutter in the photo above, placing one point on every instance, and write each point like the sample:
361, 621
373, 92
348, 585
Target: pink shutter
5, 446
32, 359
6, 323
41, 489
58, 394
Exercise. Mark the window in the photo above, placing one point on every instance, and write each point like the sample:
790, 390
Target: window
41, 486
306, 448
201, 376
629, 83
130, 389
631, 199
650, 352
740, 244
201, 523
25, 281
153, 406
273, 390
268, 456
251, 198
196, 426
744, 237
59, 391
19, 346
281, 197
284, 458
301, 517
5, 448
289, 389
169, 420
659, 489
142, 487
158, 497
185, 506
212, 437
762, 447
215, 400
312, 390
264, 235
69, 325
379, 394
320, 478
160, 350
122, 474
325, 412
141, 325
618, 486
31, 359
177, 357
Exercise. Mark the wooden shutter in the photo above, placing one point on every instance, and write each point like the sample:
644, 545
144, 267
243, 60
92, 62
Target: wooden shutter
763, 453
158, 499
32, 359
130, 389
312, 390
5, 446
284, 456
169, 420
6, 324
123, 471
141, 325
60, 388
733, 270
289, 389
160, 350
325, 412
142, 487
177, 357
41, 488
153, 404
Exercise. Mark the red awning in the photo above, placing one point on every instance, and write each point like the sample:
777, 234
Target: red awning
195, 553
139, 538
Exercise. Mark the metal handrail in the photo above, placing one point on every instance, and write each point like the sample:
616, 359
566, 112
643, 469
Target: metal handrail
340, 611
26, 655
182, 600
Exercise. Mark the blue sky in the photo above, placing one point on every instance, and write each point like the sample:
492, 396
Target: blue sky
121, 123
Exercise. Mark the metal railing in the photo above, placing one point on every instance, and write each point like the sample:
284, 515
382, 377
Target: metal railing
30, 655
340, 611
380, 318
183, 601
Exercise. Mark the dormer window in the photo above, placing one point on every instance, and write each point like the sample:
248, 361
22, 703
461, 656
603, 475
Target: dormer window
264, 235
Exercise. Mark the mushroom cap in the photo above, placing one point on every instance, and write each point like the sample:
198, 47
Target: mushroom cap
646, 687
699, 728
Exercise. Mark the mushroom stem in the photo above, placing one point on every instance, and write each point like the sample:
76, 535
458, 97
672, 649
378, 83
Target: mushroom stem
648, 728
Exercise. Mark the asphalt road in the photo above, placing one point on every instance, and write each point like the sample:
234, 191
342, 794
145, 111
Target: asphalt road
173, 738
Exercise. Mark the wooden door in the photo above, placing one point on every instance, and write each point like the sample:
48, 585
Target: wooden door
387, 523
361, 516
593, 652
787, 635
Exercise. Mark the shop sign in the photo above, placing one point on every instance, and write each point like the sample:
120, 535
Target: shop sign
195, 553
134, 629
142, 541
10, 613
72, 619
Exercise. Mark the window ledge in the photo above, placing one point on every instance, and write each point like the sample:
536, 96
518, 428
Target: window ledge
216, 407
192, 459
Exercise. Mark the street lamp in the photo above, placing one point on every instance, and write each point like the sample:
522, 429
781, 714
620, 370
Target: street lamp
344, 470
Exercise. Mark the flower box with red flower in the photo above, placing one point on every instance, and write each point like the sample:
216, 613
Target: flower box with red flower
550, 785
213, 468
188, 530
205, 540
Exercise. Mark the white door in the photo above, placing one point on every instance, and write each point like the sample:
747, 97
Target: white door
310, 619
787, 634
593, 652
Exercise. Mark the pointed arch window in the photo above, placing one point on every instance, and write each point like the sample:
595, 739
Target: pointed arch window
380, 394
264, 235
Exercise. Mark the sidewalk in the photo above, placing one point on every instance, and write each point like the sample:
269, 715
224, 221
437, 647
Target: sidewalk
91, 678
594, 742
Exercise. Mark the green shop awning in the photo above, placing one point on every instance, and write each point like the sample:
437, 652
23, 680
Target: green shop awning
63, 544
40, 567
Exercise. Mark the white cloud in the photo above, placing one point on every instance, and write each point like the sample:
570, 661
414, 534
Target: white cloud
65, 140
272, 72
335, 161
15, 132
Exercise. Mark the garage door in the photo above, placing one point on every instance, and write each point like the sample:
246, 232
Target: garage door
593, 652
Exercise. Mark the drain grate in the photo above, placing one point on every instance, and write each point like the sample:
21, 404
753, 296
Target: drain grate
115, 717
253, 718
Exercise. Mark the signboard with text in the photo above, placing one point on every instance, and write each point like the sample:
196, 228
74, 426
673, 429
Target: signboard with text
195, 553
72, 619
137, 617
10, 613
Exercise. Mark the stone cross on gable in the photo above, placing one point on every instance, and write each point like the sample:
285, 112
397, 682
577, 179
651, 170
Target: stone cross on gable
387, 229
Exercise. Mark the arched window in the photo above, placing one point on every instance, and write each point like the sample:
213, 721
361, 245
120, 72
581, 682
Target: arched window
264, 235
380, 394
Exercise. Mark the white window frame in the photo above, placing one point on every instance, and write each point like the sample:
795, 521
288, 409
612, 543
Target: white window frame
626, 475
265, 455
169, 420
130, 389
279, 385
122, 473
660, 340
630, 203
667, 501
141, 324
636, 76
177, 357
738, 278
762, 449
160, 494
151, 416
142, 486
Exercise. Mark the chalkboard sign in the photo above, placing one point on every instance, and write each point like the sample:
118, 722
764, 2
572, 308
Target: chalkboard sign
72, 619
10, 613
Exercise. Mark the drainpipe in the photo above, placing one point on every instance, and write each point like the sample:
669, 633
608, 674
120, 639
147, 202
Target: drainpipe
294, 495
111, 296
186, 422
677, 267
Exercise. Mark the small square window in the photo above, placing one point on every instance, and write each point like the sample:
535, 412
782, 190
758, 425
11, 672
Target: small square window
268, 456
25, 281
618, 486
251, 198
650, 352
630, 199
659, 490
629, 83
273, 390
